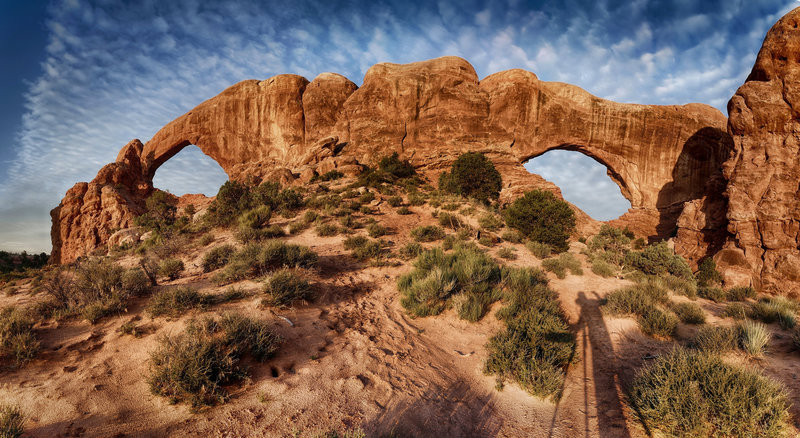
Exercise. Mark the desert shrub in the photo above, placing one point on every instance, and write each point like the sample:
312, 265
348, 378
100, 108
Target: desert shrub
428, 233
513, 236
354, 242
416, 199
348, 221
537, 344
395, 201
256, 259
450, 220
170, 268
325, 229
159, 212
655, 321
775, 309
285, 286
404, 211
18, 341
12, 422
195, 365
472, 175
636, 299
235, 198
715, 339
366, 197
681, 286
255, 218
507, 253
613, 242
451, 206
135, 282
689, 313
206, 239
562, 263
707, 274
696, 394
395, 167
490, 222
714, 294
603, 268
753, 337
438, 276
377, 230
741, 293
796, 338
542, 217
735, 311
175, 301
538, 249
330, 175
217, 257
659, 259
411, 250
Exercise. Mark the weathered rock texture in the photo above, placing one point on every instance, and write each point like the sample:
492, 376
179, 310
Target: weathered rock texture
284, 128
764, 174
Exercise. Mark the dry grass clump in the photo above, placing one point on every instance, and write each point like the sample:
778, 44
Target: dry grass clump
12, 422
603, 268
776, 309
562, 263
285, 286
195, 365
451, 220
539, 250
376, 230
716, 339
217, 257
176, 301
428, 233
326, 229
438, 276
257, 259
514, 236
490, 221
753, 337
741, 293
507, 253
537, 344
689, 313
364, 249
18, 341
411, 250
644, 301
736, 311
96, 288
696, 394
714, 294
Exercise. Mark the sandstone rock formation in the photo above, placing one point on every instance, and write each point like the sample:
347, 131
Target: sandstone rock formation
764, 174
286, 127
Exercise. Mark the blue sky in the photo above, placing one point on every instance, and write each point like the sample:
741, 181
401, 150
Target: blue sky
88, 76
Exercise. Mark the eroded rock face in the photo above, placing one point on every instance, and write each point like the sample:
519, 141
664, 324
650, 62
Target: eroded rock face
430, 112
764, 174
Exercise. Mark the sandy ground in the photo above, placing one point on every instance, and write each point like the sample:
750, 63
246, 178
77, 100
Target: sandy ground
352, 359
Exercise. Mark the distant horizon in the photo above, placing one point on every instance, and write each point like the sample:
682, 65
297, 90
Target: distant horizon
94, 75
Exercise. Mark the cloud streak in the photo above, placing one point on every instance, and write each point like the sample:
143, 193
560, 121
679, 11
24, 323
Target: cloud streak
114, 71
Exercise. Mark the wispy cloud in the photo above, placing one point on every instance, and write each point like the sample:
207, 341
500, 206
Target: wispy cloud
114, 71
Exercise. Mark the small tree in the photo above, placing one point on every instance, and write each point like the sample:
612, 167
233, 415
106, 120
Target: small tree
474, 176
543, 218
160, 213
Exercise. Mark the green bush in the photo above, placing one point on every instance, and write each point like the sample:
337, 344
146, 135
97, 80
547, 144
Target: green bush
689, 313
285, 286
753, 337
395, 201
697, 394
197, 364
714, 294
175, 302
776, 309
330, 175
12, 422
438, 276
612, 242
603, 268
18, 340
707, 274
536, 345
235, 198
657, 322
542, 217
539, 250
325, 229
741, 293
451, 220
562, 263
736, 311
514, 236
715, 339
636, 299
411, 250
376, 230
681, 286
404, 211
659, 259
507, 253
472, 175
171, 268
428, 233
257, 259
217, 257
256, 218
159, 212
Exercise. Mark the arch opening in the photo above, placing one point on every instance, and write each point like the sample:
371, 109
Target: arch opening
583, 180
190, 171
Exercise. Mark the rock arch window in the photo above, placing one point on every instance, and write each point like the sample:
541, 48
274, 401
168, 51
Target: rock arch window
583, 181
190, 171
